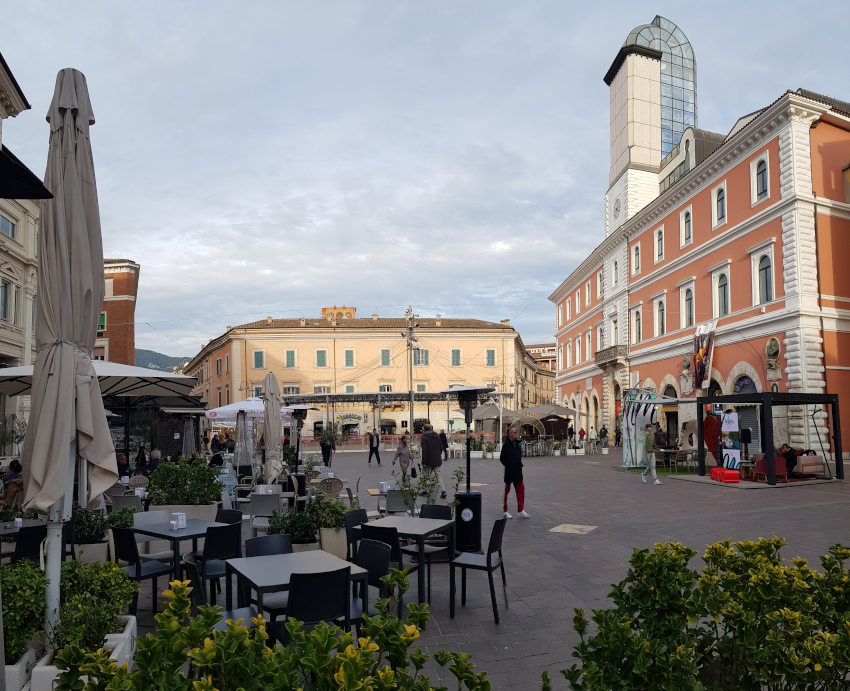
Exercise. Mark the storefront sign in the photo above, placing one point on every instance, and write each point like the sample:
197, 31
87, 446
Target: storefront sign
640, 412
703, 351
730, 440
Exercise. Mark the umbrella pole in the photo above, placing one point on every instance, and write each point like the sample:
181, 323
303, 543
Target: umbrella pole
53, 562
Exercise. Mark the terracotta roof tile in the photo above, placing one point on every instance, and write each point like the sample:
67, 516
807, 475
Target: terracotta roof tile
426, 323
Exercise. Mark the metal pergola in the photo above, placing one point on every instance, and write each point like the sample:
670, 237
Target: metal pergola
767, 401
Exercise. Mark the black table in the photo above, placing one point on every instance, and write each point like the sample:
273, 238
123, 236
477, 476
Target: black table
10, 528
271, 573
195, 528
418, 529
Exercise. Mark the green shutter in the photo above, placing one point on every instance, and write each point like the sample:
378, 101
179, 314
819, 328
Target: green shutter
349, 358
491, 358
424, 357
258, 359
290, 358
455, 358
321, 358
385, 358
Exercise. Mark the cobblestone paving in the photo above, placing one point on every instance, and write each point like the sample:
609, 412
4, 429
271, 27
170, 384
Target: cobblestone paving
550, 573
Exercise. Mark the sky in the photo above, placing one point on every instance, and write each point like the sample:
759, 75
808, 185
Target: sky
272, 158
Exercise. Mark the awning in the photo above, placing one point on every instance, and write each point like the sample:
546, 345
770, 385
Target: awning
184, 411
17, 181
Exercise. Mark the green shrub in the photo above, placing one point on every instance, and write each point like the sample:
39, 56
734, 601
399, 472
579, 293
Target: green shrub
189, 482
23, 606
123, 518
556, 446
289, 457
330, 513
301, 526
90, 527
92, 597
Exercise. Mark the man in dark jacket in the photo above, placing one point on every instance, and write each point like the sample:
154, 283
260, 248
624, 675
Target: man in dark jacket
432, 456
445, 444
511, 458
374, 446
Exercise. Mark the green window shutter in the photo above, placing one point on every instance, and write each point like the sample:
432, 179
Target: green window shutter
349, 388
259, 359
385, 358
424, 357
321, 358
290, 358
455, 358
491, 358
349, 358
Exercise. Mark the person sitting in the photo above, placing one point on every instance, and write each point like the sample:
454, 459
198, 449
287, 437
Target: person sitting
217, 459
156, 456
14, 484
123, 466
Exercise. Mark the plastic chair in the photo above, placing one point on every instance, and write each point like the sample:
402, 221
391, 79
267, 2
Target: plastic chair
389, 536
138, 481
482, 562
330, 487
373, 556
261, 508
315, 597
354, 499
117, 490
220, 543
273, 603
28, 543
123, 501
353, 518
68, 534
127, 550
394, 503
199, 597
228, 516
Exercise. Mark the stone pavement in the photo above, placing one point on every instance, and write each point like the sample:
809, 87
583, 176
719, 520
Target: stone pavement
550, 573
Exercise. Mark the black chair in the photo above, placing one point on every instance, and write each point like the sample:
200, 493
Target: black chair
354, 519
316, 597
68, 534
199, 597
228, 516
389, 536
273, 603
432, 545
28, 543
126, 549
220, 543
375, 558
483, 562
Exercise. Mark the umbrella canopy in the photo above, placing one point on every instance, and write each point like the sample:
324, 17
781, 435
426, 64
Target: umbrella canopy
114, 380
253, 407
272, 429
549, 409
67, 405
188, 437
491, 411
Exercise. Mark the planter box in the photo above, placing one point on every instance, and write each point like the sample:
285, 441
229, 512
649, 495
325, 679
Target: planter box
88, 554
123, 644
605, 450
18, 675
306, 547
203, 512
556, 452
45, 674
334, 542
476, 454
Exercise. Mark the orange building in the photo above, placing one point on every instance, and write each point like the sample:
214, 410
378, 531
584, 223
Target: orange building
749, 228
116, 334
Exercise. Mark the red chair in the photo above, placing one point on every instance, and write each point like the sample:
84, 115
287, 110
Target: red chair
778, 468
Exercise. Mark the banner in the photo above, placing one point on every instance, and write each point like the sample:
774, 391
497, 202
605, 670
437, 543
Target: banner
730, 440
703, 351
639, 411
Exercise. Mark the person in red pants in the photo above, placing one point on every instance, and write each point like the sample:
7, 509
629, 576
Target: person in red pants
511, 458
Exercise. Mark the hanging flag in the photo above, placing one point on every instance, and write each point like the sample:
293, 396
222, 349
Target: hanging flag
703, 351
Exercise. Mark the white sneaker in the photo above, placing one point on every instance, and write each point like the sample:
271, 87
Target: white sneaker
507, 515
643, 477
657, 482
524, 514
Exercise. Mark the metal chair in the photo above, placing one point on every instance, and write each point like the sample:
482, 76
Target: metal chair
127, 550
199, 597
330, 487
125, 500
261, 508
482, 562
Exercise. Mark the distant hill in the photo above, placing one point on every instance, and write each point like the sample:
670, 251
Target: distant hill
153, 360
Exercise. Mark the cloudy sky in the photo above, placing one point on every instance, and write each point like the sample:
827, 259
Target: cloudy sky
271, 158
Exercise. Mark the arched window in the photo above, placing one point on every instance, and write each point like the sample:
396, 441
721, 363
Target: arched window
637, 327
689, 307
616, 273
660, 310
722, 296
721, 205
636, 266
761, 180
659, 241
765, 280
687, 227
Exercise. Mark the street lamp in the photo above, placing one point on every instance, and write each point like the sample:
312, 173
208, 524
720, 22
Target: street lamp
468, 511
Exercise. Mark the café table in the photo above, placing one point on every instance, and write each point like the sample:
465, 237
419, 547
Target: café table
10, 528
418, 529
195, 528
271, 573
325, 477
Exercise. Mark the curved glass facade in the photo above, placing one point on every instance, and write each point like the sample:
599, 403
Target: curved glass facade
678, 77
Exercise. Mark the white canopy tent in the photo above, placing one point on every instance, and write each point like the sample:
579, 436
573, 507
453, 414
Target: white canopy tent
254, 408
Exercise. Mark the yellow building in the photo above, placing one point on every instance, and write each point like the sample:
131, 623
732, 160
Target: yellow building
342, 353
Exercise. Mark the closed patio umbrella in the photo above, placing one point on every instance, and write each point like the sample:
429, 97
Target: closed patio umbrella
272, 429
188, 437
67, 415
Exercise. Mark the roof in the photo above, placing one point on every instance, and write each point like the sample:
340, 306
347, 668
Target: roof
426, 323
14, 82
843, 106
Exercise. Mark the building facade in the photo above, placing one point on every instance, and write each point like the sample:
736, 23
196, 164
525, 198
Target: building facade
116, 333
336, 353
749, 229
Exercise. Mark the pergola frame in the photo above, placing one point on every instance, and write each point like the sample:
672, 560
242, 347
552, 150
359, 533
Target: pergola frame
767, 401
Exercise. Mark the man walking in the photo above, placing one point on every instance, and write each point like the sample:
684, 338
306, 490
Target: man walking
445, 444
511, 458
374, 446
649, 455
432, 456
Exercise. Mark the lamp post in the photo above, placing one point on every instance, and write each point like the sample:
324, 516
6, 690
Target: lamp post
410, 339
468, 508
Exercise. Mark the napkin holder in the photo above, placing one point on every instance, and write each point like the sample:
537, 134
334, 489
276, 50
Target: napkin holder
178, 520
383, 487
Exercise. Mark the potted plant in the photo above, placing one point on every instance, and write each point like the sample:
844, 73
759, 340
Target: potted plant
90, 536
556, 448
24, 585
301, 526
331, 517
191, 487
476, 447
489, 448
92, 601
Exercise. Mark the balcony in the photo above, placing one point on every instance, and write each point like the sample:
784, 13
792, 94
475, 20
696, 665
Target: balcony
611, 356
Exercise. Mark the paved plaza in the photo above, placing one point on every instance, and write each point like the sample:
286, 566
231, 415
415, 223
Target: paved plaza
550, 573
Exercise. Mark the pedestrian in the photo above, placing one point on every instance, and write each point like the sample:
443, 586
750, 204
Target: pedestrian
571, 433
402, 455
229, 443
649, 455
327, 444
617, 435
374, 446
603, 436
445, 444
511, 458
215, 444
432, 457
581, 434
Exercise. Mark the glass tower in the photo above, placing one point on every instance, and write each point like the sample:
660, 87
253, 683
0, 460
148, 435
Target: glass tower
678, 77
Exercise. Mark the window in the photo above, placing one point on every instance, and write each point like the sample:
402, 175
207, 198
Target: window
101, 323
227, 362
600, 338
7, 227
659, 245
385, 388
421, 387
321, 389
599, 285
578, 301
321, 358
688, 236
455, 357
587, 294
718, 208
99, 353
349, 357
259, 359
420, 358
292, 390
567, 306
349, 388
636, 260
765, 280
227, 395
560, 315
218, 366
761, 180
569, 354
4, 300
615, 331
258, 391
289, 358
386, 357
587, 345
689, 307
722, 295
491, 357
616, 276
659, 318
636, 326
578, 350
